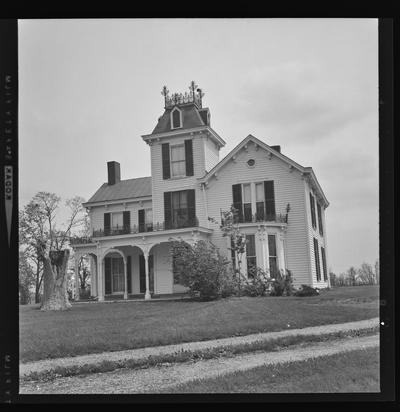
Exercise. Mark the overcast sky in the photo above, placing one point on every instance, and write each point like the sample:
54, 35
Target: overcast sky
90, 88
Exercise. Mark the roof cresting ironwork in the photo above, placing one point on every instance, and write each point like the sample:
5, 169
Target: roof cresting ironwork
195, 96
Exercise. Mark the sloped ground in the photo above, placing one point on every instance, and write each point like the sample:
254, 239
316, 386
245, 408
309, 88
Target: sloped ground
145, 356
90, 328
165, 378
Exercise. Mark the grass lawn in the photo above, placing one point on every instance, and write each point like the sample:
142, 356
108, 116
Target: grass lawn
356, 371
98, 327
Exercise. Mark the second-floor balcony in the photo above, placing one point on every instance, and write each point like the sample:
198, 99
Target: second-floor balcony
147, 227
261, 217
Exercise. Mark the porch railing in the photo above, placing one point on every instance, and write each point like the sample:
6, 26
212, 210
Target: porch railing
148, 227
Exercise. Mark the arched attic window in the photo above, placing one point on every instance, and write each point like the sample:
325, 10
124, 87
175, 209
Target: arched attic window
176, 118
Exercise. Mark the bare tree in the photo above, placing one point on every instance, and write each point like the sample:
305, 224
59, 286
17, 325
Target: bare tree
352, 276
377, 271
50, 245
366, 274
26, 279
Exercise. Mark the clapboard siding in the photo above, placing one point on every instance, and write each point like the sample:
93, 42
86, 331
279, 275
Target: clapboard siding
97, 212
211, 154
163, 279
314, 233
289, 188
159, 185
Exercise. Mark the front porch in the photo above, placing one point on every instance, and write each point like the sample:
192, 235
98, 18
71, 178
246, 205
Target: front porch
137, 298
138, 266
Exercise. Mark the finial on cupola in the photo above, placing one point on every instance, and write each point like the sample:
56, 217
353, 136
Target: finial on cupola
165, 92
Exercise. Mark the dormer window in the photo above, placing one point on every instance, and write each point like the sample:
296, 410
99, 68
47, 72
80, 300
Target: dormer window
176, 118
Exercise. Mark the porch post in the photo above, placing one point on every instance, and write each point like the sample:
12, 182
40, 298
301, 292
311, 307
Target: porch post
100, 281
281, 251
93, 275
266, 251
262, 261
147, 295
125, 280
77, 257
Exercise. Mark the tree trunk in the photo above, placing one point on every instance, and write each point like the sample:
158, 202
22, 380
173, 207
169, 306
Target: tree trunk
37, 283
55, 296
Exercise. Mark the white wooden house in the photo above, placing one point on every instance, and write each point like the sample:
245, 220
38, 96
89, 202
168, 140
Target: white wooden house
281, 207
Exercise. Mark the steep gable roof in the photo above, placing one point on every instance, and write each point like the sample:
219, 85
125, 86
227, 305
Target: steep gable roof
250, 138
190, 119
125, 189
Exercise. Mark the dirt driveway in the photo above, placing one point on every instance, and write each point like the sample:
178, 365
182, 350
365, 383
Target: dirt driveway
153, 379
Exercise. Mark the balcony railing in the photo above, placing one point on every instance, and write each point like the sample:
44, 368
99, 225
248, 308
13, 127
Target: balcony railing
77, 240
259, 218
148, 227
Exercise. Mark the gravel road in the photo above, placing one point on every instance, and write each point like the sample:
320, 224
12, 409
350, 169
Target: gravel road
120, 356
153, 379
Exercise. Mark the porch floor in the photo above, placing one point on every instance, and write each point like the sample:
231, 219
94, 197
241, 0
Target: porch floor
136, 298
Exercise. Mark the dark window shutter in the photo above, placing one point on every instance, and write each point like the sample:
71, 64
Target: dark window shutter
127, 221
167, 210
237, 201
129, 273
165, 161
312, 203
107, 223
321, 230
324, 264
189, 157
191, 203
317, 264
141, 220
142, 274
107, 275
269, 193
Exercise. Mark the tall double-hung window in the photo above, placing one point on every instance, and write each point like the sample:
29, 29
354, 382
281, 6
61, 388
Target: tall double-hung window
254, 202
178, 163
251, 254
273, 258
177, 159
260, 202
247, 202
179, 209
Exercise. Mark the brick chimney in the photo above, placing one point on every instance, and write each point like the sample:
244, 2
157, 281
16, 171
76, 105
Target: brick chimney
114, 172
277, 148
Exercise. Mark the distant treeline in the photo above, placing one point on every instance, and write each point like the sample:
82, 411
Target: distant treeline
366, 274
